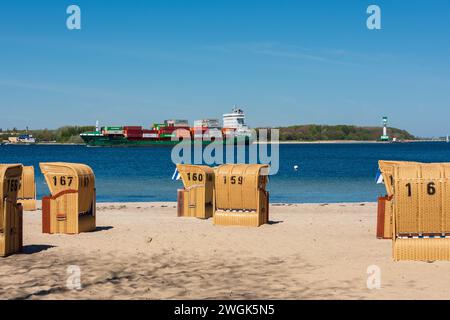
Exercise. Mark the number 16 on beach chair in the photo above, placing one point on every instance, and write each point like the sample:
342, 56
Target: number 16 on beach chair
385, 205
240, 196
71, 207
196, 199
10, 211
421, 209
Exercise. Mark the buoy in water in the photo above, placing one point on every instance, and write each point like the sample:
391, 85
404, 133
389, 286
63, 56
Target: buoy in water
296, 167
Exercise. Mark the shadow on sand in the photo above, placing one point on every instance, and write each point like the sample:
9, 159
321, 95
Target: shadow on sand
104, 228
35, 248
274, 222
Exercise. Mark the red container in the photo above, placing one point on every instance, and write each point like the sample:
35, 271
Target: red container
166, 131
199, 129
132, 128
183, 134
172, 129
133, 133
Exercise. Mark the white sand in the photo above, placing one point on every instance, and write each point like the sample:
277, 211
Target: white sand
143, 251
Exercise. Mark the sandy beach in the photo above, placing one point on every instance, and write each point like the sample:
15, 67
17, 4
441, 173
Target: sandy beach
143, 251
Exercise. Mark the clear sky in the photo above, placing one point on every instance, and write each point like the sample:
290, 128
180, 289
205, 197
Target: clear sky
284, 62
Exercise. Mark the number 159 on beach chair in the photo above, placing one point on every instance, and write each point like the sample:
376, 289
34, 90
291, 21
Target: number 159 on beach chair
71, 207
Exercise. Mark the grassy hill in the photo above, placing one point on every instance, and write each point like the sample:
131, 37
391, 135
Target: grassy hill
313, 132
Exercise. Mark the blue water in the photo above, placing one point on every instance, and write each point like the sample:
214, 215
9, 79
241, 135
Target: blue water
328, 172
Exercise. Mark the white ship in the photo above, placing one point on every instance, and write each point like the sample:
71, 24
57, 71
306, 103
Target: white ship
234, 124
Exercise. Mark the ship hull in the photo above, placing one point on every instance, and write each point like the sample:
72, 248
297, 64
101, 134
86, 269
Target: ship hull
111, 141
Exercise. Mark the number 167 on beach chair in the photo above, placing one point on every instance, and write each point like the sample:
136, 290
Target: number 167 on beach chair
70, 208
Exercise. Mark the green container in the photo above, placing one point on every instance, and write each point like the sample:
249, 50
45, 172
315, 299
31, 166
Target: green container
166, 135
157, 126
113, 128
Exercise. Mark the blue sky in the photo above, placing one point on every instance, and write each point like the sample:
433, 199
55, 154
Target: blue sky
284, 62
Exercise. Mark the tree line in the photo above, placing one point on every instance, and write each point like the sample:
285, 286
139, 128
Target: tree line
313, 132
66, 134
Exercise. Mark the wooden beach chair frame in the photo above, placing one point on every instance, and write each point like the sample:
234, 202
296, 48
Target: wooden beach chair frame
384, 218
71, 207
11, 220
240, 196
27, 192
421, 209
196, 199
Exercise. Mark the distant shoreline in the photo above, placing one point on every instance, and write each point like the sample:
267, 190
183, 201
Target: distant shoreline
345, 142
259, 142
45, 144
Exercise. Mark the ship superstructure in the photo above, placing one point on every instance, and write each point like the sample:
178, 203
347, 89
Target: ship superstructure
234, 123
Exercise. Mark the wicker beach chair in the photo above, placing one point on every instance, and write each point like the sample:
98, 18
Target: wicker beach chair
421, 209
240, 196
196, 199
11, 226
27, 192
71, 207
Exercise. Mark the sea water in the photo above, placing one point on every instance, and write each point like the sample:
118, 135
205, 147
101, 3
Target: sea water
327, 173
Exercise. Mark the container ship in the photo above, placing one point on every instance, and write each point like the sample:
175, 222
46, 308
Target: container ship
172, 132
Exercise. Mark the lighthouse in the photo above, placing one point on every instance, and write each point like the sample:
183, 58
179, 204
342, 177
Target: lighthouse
385, 136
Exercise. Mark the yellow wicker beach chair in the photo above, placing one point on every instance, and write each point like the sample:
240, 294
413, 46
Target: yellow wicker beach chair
71, 207
27, 192
421, 209
240, 196
196, 199
10, 211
